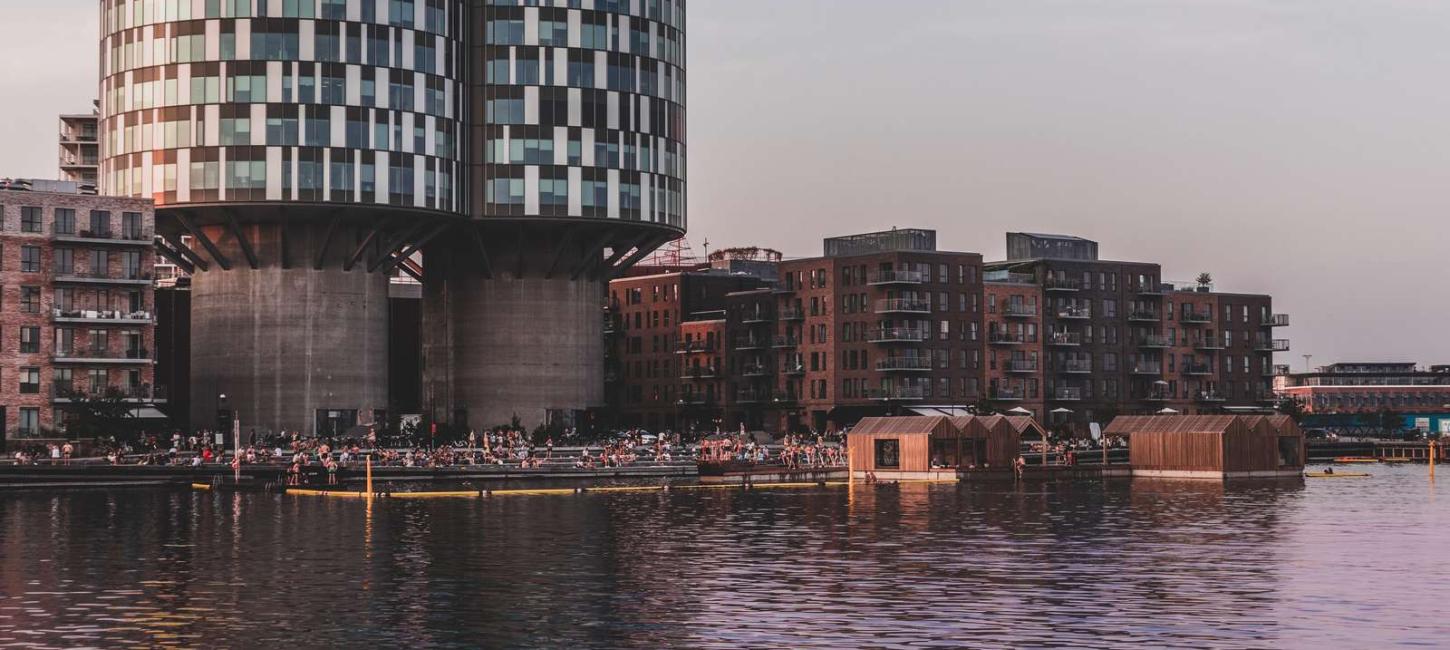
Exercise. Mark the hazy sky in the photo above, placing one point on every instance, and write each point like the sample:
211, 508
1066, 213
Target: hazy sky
1292, 147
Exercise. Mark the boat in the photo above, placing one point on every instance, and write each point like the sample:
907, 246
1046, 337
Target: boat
1335, 475
1356, 459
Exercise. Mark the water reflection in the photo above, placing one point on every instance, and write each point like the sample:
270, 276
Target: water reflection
1041, 564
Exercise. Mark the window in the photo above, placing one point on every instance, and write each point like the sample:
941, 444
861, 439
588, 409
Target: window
29, 219
30, 420
131, 225
30, 259
100, 224
65, 221
888, 454
30, 339
30, 300
30, 380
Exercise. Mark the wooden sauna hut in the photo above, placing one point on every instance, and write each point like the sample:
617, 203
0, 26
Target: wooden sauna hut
896, 448
986, 442
1211, 446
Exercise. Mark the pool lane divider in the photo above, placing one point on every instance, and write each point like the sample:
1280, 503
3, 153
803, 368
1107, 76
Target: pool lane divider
484, 494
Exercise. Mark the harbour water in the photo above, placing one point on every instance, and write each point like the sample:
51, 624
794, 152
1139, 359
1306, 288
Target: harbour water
1323, 563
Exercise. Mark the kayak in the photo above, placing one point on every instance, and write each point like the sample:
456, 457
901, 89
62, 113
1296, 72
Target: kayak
1356, 459
1335, 475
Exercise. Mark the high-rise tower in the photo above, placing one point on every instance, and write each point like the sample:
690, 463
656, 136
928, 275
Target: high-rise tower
576, 170
530, 148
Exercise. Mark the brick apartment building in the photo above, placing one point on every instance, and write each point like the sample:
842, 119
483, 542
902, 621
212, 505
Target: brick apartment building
665, 350
885, 323
77, 303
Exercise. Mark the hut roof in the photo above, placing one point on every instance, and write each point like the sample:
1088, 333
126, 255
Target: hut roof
936, 426
1127, 425
1026, 424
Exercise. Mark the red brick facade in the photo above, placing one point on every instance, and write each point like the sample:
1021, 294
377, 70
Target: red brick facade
77, 303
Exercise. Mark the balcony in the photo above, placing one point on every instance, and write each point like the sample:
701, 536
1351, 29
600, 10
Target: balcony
1144, 316
1152, 290
795, 370
1067, 394
64, 393
695, 347
1064, 339
1154, 341
1062, 284
1021, 365
785, 342
1278, 320
898, 335
106, 237
903, 306
751, 343
883, 278
792, 314
1077, 366
699, 373
1019, 311
755, 371
749, 396
1147, 369
93, 317
78, 136
136, 356
1005, 338
97, 277
1271, 345
1200, 369
755, 318
692, 400
1007, 394
1157, 396
904, 364
1208, 343
897, 394
1075, 313
1196, 317
1209, 396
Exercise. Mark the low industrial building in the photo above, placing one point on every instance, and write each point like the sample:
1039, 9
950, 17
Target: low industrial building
1212, 446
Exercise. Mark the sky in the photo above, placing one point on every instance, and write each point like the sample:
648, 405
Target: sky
1291, 147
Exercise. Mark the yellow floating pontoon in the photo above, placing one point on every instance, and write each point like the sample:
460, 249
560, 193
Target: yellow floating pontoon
1335, 475
1356, 459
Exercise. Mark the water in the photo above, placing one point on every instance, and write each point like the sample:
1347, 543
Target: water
1341, 563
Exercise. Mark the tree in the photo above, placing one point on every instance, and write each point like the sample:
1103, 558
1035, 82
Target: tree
104, 415
1292, 408
1205, 281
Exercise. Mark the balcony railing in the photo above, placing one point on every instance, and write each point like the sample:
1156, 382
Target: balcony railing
1007, 394
1209, 396
70, 392
702, 372
1147, 369
755, 371
88, 354
1272, 345
1064, 339
1155, 289
1208, 343
792, 313
1021, 365
1144, 316
898, 393
1076, 313
1197, 369
904, 364
785, 342
1067, 394
1005, 338
751, 343
903, 305
695, 347
753, 317
1278, 320
1019, 311
1197, 317
896, 277
795, 370
1062, 284
102, 276
752, 396
1157, 396
101, 315
1077, 366
898, 335
1154, 341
